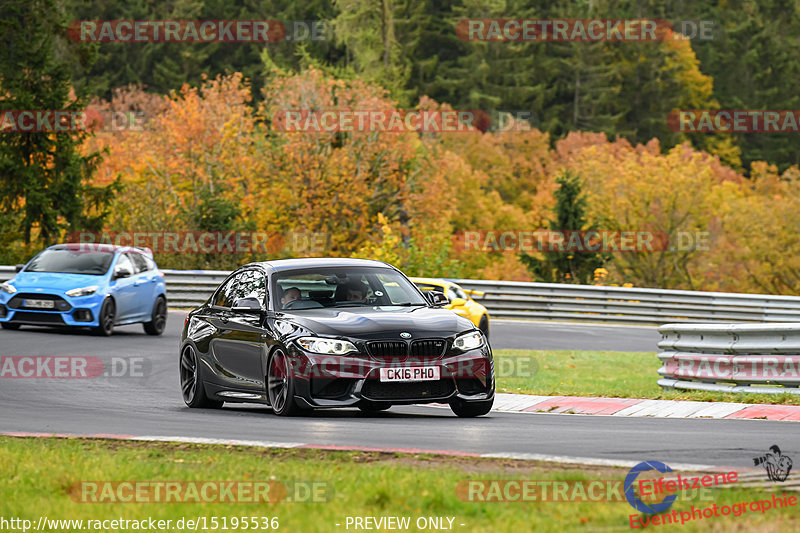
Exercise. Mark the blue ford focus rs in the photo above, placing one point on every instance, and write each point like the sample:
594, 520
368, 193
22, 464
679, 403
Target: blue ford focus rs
86, 285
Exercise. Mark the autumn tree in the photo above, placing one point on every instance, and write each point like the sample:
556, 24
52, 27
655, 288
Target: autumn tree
44, 185
568, 266
671, 197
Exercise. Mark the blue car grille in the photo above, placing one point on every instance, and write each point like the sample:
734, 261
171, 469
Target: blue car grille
27, 317
60, 305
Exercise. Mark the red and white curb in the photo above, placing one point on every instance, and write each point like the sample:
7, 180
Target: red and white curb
591, 461
633, 407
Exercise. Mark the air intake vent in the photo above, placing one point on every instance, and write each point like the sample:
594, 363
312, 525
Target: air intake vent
428, 348
387, 349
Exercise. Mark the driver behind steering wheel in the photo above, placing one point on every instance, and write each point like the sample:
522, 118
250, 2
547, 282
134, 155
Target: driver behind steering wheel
290, 295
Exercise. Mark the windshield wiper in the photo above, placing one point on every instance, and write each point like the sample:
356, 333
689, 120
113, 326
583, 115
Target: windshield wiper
408, 304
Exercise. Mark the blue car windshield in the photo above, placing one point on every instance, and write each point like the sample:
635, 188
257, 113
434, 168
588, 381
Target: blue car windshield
71, 262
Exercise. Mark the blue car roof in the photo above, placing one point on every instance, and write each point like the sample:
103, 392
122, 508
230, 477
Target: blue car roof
100, 247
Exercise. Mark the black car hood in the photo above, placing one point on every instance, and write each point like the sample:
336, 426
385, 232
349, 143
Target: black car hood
380, 322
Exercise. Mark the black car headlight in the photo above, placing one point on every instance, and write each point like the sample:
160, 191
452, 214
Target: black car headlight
468, 341
326, 346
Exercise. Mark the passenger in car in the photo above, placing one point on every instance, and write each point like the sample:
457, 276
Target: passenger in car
356, 292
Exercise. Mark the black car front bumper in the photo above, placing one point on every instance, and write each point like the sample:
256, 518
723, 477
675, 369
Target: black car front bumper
341, 381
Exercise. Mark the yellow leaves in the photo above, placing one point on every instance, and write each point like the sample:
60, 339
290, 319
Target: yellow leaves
197, 138
373, 192
385, 247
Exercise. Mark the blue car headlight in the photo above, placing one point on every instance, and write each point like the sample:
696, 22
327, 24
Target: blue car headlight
468, 341
8, 288
326, 346
82, 291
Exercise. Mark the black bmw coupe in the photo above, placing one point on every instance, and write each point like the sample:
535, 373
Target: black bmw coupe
301, 334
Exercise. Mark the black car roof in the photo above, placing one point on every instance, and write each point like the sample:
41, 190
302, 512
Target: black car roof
311, 262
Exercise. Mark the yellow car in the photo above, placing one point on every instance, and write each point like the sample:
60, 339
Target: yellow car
461, 301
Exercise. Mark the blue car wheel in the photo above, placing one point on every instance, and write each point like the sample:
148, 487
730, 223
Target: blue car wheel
106, 319
158, 320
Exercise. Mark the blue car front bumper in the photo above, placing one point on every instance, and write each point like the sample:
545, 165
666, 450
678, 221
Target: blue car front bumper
50, 308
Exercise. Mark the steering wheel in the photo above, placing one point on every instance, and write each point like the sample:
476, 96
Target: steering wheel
292, 304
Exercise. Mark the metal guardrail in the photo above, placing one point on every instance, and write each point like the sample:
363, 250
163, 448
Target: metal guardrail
6, 272
552, 301
758, 358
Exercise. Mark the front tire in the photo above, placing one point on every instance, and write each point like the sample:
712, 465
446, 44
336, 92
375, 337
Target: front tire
280, 385
158, 319
106, 319
471, 409
9, 325
192, 389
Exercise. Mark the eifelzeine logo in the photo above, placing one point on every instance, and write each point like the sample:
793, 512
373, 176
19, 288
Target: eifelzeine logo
630, 483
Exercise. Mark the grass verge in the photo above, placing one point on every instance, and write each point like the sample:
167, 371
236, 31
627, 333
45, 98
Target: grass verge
612, 374
36, 476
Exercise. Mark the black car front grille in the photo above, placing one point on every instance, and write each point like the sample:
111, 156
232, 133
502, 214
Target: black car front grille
410, 390
387, 348
60, 305
28, 317
401, 349
428, 348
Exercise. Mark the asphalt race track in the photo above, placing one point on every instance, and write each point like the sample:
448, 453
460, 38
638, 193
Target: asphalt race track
150, 404
521, 335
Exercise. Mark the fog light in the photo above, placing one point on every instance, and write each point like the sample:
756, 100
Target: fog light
82, 315
3, 311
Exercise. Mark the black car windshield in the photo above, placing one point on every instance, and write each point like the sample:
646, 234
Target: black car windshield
343, 287
71, 262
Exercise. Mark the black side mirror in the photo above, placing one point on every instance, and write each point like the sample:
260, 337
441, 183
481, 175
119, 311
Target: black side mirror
18, 268
247, 305
122, 273
437, 298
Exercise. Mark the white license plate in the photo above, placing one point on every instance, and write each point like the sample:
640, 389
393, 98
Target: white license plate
40, 304
410, 373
